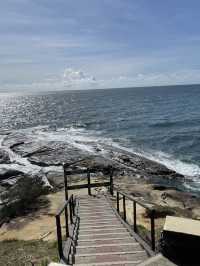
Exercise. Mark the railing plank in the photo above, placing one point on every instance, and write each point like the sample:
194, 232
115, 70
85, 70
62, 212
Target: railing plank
92, 185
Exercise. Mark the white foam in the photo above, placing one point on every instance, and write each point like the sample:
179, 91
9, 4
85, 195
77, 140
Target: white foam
87, 141
21, 164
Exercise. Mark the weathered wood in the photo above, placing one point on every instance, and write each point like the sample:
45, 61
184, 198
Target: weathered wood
117, 201
134, 217
92, 185
153, 230
124, 208
111, 183
71, 211
66, 222
143, 204
89, 183
65, 183
59, 236
143, 243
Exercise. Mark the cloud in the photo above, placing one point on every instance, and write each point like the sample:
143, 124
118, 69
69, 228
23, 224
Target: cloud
189, 76
73, 77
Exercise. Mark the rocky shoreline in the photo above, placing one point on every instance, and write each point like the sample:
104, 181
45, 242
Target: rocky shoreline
22, 154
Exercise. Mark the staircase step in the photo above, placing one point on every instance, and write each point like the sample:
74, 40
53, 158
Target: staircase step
93, 216
95, 212
126, 252
110, 258
105, 222
109, 248
118, 263
102, 231
106, 241
103, 236
100, 226
98, 220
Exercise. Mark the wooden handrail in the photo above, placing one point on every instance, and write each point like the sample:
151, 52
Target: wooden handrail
64, 208
144, 205
88, 185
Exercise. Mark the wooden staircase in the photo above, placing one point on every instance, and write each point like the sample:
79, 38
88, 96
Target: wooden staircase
101, 238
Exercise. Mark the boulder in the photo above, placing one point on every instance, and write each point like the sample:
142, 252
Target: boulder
4, 157
7, 173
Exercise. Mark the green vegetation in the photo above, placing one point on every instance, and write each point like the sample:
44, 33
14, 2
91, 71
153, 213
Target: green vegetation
23, 197
27, 253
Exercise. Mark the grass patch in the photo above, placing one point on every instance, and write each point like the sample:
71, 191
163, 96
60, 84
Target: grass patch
27, 253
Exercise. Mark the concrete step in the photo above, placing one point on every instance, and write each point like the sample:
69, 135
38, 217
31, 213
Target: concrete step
101, 231
110, 258
106, 241
109, 248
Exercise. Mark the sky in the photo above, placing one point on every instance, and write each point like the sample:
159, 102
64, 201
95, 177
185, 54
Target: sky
83, 44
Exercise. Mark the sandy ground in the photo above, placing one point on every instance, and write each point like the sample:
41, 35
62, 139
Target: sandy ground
38, 225
41, 224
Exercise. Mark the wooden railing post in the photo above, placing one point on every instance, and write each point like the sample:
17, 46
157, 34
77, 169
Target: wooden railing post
134, 217
71, 211
59, 236
88, 178
66, 223
111, 181
118, 201
65, 182
153, 230
124, 207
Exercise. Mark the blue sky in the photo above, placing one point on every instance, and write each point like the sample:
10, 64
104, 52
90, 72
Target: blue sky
62, 44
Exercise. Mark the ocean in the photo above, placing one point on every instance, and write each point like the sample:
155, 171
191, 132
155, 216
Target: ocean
160, 123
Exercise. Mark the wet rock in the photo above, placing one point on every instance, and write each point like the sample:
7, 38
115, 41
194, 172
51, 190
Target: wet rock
8, 173
14, 139
4, 157
55, 179
9, 182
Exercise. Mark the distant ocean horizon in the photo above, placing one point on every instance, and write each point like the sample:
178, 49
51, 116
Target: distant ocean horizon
161, 123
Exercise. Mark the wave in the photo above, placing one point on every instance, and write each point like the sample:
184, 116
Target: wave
179, 123
85, 139
89, 140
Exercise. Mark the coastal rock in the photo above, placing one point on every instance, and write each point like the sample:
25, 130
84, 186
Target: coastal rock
8, 173
14, 139
56, 154
4, 157
56, 179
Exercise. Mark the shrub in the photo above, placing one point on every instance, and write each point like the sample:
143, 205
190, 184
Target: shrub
22, 196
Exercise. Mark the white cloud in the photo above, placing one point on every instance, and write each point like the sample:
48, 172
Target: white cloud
77, 78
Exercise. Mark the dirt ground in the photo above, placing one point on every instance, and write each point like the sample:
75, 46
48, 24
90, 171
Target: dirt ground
41, 224
38, 225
